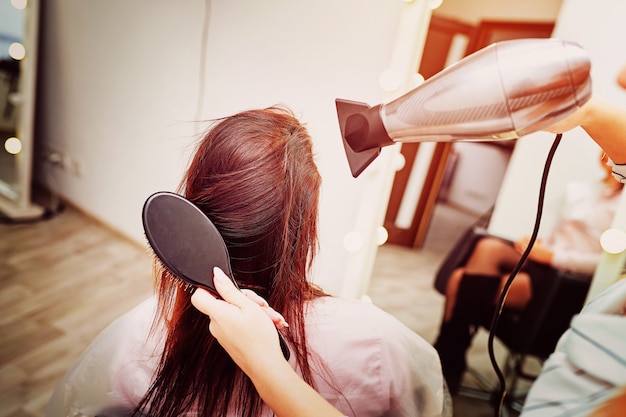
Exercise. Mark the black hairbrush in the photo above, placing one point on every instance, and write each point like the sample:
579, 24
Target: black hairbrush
187, 242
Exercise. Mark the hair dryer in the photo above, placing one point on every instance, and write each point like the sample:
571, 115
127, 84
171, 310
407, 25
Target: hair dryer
503, 91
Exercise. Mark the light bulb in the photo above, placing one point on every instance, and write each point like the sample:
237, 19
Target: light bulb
13, 145
398, 162
19, 4
381, 235
613, 241
389, 80
417, 79
353, 241
434, 4
17, 51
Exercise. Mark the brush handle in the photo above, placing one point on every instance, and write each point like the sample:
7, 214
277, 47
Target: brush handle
283, 346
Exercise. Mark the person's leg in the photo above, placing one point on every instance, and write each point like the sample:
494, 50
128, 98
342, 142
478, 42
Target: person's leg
520, 292
452, 289
492, 256
473, 302
470, 295
518, 296
489, 258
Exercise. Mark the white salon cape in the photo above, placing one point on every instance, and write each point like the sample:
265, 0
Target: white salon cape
587, 211
588, 366
381, 367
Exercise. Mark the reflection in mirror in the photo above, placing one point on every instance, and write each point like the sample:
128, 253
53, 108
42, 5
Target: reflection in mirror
18, 20
402, 279
12, 51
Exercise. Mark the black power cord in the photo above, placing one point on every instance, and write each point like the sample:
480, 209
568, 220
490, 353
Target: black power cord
496, 317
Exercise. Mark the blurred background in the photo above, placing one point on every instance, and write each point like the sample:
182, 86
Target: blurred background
108, 97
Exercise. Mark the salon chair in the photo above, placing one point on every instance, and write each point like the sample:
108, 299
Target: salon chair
529, 333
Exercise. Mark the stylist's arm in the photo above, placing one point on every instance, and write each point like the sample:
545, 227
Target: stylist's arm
246, 327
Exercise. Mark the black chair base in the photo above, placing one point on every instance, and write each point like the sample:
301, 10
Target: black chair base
488, 390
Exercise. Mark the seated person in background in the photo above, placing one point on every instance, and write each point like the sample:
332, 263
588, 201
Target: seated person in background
473, 290
254, 176
586, 374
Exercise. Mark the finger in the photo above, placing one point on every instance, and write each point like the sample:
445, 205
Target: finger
277, 318
203, 300
226, 288
255, 297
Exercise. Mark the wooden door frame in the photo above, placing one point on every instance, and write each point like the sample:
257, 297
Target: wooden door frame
415, 234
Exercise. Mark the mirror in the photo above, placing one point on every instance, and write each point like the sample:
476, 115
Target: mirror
18, 52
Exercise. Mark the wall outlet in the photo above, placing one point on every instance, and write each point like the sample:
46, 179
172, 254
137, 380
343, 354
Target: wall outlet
67, 163
77, 167
53, 156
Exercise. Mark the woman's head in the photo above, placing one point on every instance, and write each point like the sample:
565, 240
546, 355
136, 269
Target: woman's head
254, 176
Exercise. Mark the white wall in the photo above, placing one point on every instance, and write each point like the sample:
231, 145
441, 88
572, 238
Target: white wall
600, 34
120, 83
477, 176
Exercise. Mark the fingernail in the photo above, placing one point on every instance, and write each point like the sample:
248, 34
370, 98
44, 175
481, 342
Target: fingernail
219, 275
283, 322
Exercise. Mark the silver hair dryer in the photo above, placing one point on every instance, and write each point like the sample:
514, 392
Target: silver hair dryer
504, 91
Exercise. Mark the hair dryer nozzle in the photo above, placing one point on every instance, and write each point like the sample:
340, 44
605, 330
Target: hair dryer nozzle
363, 133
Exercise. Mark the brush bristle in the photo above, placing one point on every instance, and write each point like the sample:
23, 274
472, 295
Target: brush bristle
184, 285
190, 288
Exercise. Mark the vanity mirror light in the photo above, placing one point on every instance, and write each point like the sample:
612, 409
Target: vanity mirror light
18, 65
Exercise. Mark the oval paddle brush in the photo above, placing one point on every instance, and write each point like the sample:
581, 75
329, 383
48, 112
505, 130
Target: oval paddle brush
188, 243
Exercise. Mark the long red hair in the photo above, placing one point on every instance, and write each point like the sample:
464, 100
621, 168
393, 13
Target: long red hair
254, 176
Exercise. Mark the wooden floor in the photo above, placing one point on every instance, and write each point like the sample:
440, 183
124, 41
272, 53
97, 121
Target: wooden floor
62, 280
